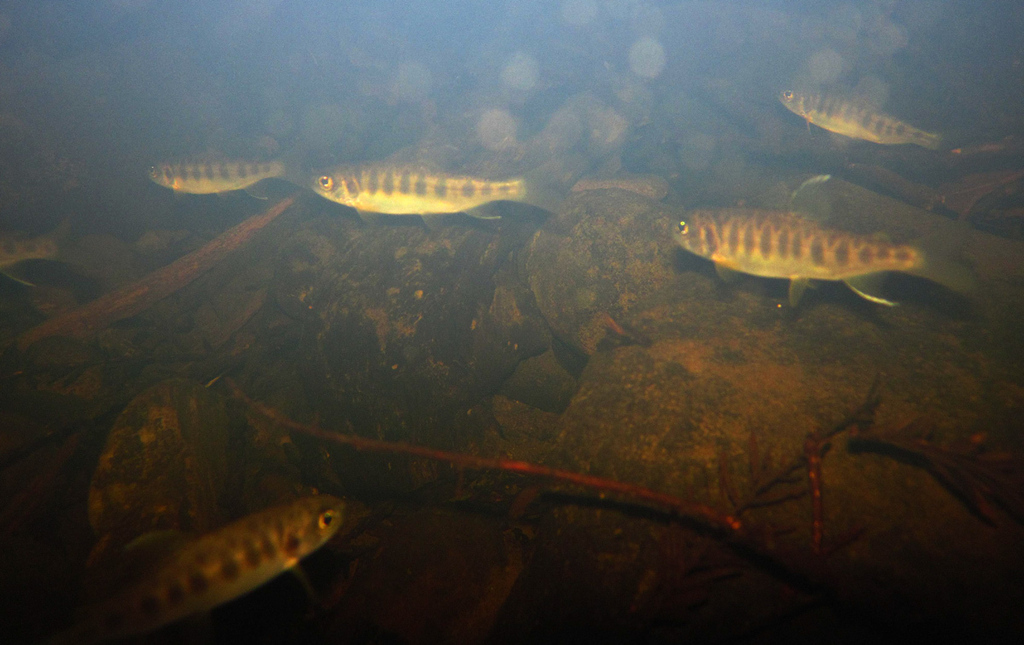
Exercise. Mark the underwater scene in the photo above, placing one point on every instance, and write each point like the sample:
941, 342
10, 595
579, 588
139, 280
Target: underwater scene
605, 321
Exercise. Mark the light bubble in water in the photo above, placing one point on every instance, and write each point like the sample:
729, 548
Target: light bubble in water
412, 81
521, 72
825, 65
647, 57
578, 13
496, 129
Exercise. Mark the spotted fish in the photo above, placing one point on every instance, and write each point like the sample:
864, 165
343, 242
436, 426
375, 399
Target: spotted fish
780, 244
204, 178
855, 120
214, 569
402, 190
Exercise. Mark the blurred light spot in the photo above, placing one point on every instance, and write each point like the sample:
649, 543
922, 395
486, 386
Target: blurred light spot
825, 65
412, 81
889, 38
647, 57
496, 129
579, 12
520, 73
607, 128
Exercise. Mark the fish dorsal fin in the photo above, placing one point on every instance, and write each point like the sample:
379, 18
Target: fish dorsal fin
797, 286
867, 286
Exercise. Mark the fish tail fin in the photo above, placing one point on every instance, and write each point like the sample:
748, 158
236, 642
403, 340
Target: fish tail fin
931, 140
942, 263
548, 185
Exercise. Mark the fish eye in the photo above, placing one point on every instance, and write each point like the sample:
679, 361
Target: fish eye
787, 95
325, 519
684, 228
154, 172
326, 182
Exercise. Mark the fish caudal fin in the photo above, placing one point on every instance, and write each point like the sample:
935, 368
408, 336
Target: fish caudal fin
547, 186
941, 263
931, 140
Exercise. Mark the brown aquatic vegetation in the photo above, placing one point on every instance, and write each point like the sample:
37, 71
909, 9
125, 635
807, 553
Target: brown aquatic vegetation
970, 471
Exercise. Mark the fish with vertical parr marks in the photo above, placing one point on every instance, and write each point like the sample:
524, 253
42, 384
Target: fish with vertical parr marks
213, 569
855, 120
403, 190
209, 177
779, 244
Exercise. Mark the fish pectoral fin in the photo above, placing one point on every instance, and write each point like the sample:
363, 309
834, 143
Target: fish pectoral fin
726, 273
797, 286
9, 276
303, 580
866, 286
433, 221
369, 217
486, 211
258, 190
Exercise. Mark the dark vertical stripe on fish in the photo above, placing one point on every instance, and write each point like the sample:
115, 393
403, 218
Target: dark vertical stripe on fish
783, 245
865, 255
421, 185
468, 189
798, 245
209, 172
225, 174
734, 238
817, 251
405, 182
749, 242
441, 187
766, 241
372, 181
388, 184
842, 253
882, 253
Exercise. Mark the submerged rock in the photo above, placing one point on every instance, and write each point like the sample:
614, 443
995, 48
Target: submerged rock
164, 466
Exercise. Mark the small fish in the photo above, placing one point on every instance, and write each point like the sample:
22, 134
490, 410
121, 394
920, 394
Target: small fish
779, 244
213, 569
204, 178
411, 191
854, 120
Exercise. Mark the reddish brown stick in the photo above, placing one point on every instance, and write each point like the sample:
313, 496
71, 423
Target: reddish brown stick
812, 452
128, 301
675, 504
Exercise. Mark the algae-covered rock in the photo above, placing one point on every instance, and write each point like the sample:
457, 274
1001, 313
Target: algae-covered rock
407, 328
605, 251
164, 465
